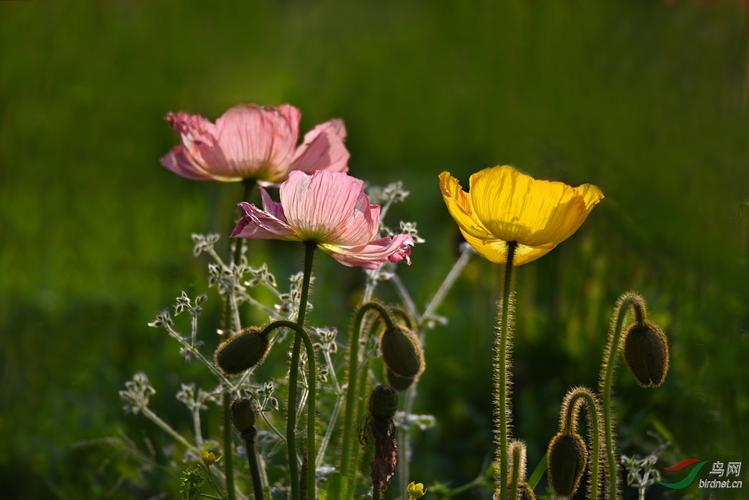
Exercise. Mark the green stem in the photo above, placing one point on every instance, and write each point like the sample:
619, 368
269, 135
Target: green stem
568, 426
607, 376
228, 451
302, 334
349, 430
501, 375
309, 253
516, 456
361, 410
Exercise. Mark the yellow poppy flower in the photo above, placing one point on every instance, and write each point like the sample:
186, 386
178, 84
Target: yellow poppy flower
505, 205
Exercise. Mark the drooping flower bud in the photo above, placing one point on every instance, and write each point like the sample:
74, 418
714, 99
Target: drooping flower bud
566, 458
401, 352
243, 415
646, 354
396, 381
242, 351
383, 402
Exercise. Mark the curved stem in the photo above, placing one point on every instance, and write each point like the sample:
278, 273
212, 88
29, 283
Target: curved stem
516, 464
249, 445
608, 367
571, 410
349, 430
302, 334
501, 364
309, 253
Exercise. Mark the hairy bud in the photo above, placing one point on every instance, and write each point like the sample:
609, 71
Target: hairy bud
242, 351
566, 458
646, 354
243, 415
401, 352
398, 382
383, 402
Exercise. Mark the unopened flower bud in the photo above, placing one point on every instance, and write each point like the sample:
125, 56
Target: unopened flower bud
242, 351
567, 458
401, 352
243, 415
646, 354
383, 402
416, 490
396, 381
208, 457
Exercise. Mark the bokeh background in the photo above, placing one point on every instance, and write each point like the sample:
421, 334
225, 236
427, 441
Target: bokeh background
646, 99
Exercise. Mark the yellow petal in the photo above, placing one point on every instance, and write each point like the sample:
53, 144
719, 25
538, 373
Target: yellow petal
536, 213
459, 205
496, 250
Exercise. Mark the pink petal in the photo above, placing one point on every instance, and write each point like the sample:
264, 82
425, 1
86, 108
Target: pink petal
258, 141
272, 207
200, 144
316, 206
323, 149
178, 161
375, 253
361, 227
259, 225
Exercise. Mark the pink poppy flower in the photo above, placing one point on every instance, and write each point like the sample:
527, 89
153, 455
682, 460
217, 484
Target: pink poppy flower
254, 142
331, 210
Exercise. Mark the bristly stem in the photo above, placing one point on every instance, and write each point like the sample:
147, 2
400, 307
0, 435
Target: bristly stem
501, 375
349, 424
608, 367
302, 334
573, 401
309, 254
516, 479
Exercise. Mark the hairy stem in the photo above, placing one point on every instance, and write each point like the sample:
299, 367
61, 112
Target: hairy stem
516, 479
501, 375
570, 411
349, 430
309, 254
302, 334
404, 461
608, 367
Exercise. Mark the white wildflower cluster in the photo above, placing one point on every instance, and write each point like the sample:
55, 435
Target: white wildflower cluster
240, 285
137, 393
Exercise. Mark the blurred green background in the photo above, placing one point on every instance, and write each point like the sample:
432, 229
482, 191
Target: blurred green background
646, 100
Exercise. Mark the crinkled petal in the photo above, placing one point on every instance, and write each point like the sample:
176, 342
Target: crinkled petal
316, 206
373, 254
178, 161
323, 149
516, 207
257, 141
459, 205
259, 225
272, 207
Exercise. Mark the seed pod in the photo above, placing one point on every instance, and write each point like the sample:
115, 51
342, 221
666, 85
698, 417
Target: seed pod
401, 352
383, 402
566, 460
396, 381
242, 351
646, 354
243, 415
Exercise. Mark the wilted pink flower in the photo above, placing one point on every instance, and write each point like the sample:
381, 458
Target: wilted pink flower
254, 142
331, 210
